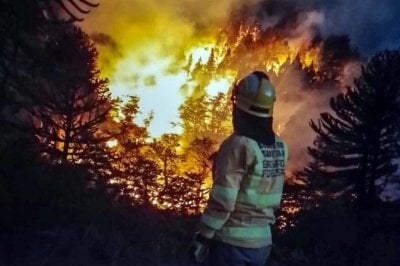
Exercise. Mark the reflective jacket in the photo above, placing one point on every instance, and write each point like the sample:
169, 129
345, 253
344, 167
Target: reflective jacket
247, 187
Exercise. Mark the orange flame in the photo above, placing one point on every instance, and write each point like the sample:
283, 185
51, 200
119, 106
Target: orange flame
164, 57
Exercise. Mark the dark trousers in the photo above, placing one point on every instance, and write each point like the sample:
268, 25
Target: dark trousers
222, 254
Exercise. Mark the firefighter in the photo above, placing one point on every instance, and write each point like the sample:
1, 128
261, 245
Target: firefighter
248, 177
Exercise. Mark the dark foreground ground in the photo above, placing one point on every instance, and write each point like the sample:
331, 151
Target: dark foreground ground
324, 236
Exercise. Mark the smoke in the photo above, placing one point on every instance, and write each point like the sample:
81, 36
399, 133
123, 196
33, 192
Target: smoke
106, 42
296, 105
145, 29
350, 71
371, 25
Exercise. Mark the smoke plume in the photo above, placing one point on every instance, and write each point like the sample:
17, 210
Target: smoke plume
371, 25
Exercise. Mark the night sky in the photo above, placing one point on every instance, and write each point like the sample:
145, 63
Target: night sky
372, 25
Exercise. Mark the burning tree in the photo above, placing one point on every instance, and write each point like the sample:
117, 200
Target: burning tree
139, 177
355, 148
133, 171
165, 150
206, 117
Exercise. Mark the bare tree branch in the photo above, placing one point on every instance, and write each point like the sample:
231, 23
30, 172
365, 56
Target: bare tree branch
73, 17
77, 7
89, 3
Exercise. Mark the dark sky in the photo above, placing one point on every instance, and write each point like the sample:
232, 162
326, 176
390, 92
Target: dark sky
371, 24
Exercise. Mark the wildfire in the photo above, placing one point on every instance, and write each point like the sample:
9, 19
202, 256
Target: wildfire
200, 54
165, 55
167, 60
311, 58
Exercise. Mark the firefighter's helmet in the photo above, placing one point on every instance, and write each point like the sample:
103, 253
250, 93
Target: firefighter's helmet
254, 94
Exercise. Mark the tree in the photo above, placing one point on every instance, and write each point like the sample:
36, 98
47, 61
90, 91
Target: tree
134, 171
71, 100
336, 52
165, 150
185, 194
21, 27
24, 26
197, 166
139, 177
355, 147
206, 117
194, 114
28, 182
220, 121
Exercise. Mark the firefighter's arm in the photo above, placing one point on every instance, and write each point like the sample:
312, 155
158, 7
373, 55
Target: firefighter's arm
229, 170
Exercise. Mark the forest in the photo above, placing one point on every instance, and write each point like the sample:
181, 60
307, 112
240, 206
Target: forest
82, 183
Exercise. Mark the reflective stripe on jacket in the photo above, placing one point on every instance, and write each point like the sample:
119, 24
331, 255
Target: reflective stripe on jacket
248, 182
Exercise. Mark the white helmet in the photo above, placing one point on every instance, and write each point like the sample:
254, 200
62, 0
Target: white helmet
254, 94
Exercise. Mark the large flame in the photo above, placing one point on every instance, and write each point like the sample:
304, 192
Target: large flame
167, 52
164, 53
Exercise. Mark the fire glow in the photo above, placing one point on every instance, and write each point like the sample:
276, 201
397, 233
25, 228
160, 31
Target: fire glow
165, 60
168, 54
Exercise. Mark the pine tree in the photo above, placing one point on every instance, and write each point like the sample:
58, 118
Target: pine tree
24, 26
355, 147
70, 100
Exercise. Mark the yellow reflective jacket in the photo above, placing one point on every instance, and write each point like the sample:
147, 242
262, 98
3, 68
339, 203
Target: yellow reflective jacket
248, 181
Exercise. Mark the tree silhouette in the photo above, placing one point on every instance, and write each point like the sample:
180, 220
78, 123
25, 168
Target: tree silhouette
71, 100
185, 194
22, 27
134, 171
355, 148
197, 167
336, 52
165, 150
138, 177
